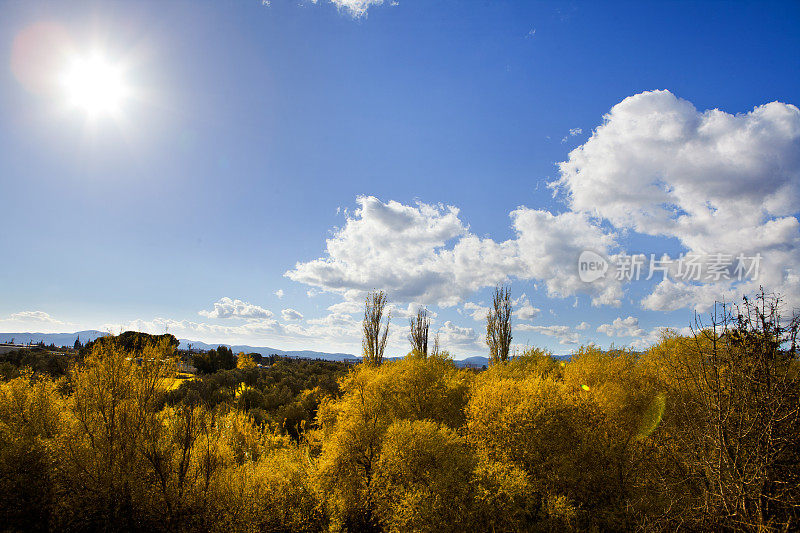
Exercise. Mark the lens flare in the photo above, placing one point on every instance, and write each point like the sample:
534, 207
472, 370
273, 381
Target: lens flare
652, 416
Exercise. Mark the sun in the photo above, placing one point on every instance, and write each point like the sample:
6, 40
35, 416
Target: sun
95, 85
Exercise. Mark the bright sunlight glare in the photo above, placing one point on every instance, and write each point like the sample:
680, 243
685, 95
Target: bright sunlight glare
95, 85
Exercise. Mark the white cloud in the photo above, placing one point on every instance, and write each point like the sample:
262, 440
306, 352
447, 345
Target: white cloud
523, 310
550, 245
402, 249
477, 312
279, 294
572, 133
33, 321
564, 334
672, 295
228, 308
200, 330
330, 333
622, 327
425, 253
452, 336
408, 311
582, 326
33, 316
291, 315
357, 8
347, 307
714, 181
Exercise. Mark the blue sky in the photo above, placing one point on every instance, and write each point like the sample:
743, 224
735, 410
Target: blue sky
408, 134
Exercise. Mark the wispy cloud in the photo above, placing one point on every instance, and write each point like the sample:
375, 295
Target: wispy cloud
33, 316
357, 8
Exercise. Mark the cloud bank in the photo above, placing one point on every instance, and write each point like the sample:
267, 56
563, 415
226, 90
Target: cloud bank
656, 166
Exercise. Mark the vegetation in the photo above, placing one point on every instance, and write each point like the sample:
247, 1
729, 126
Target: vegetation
37, 360
375, 330
498, 326
699, 432
419, 325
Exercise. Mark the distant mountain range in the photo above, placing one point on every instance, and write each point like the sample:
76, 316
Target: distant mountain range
68, 339
59, 339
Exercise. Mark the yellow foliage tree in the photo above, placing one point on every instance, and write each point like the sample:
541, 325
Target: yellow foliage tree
244, 360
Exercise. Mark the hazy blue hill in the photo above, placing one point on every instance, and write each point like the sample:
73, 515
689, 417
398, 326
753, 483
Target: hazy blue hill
59, 339
265, 350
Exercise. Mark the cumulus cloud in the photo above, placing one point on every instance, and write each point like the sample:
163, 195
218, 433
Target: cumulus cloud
291, 315
564, 334
454, 336
402, 249
228, 308
425, 253
716, 182
549, 246
712, 181
279, 294
622, 327
671, 295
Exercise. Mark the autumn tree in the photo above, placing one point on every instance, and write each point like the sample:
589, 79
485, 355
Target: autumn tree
498, 325
115, 402
376, 331
419, 332
733, 416
244, 360
423, 478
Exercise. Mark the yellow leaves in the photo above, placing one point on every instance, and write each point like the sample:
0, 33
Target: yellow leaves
422, 478
241, 389
270, 494
518, 418
354, 427
244, 360
410, 445
31, 407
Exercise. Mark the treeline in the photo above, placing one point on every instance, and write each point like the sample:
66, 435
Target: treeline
699, 432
